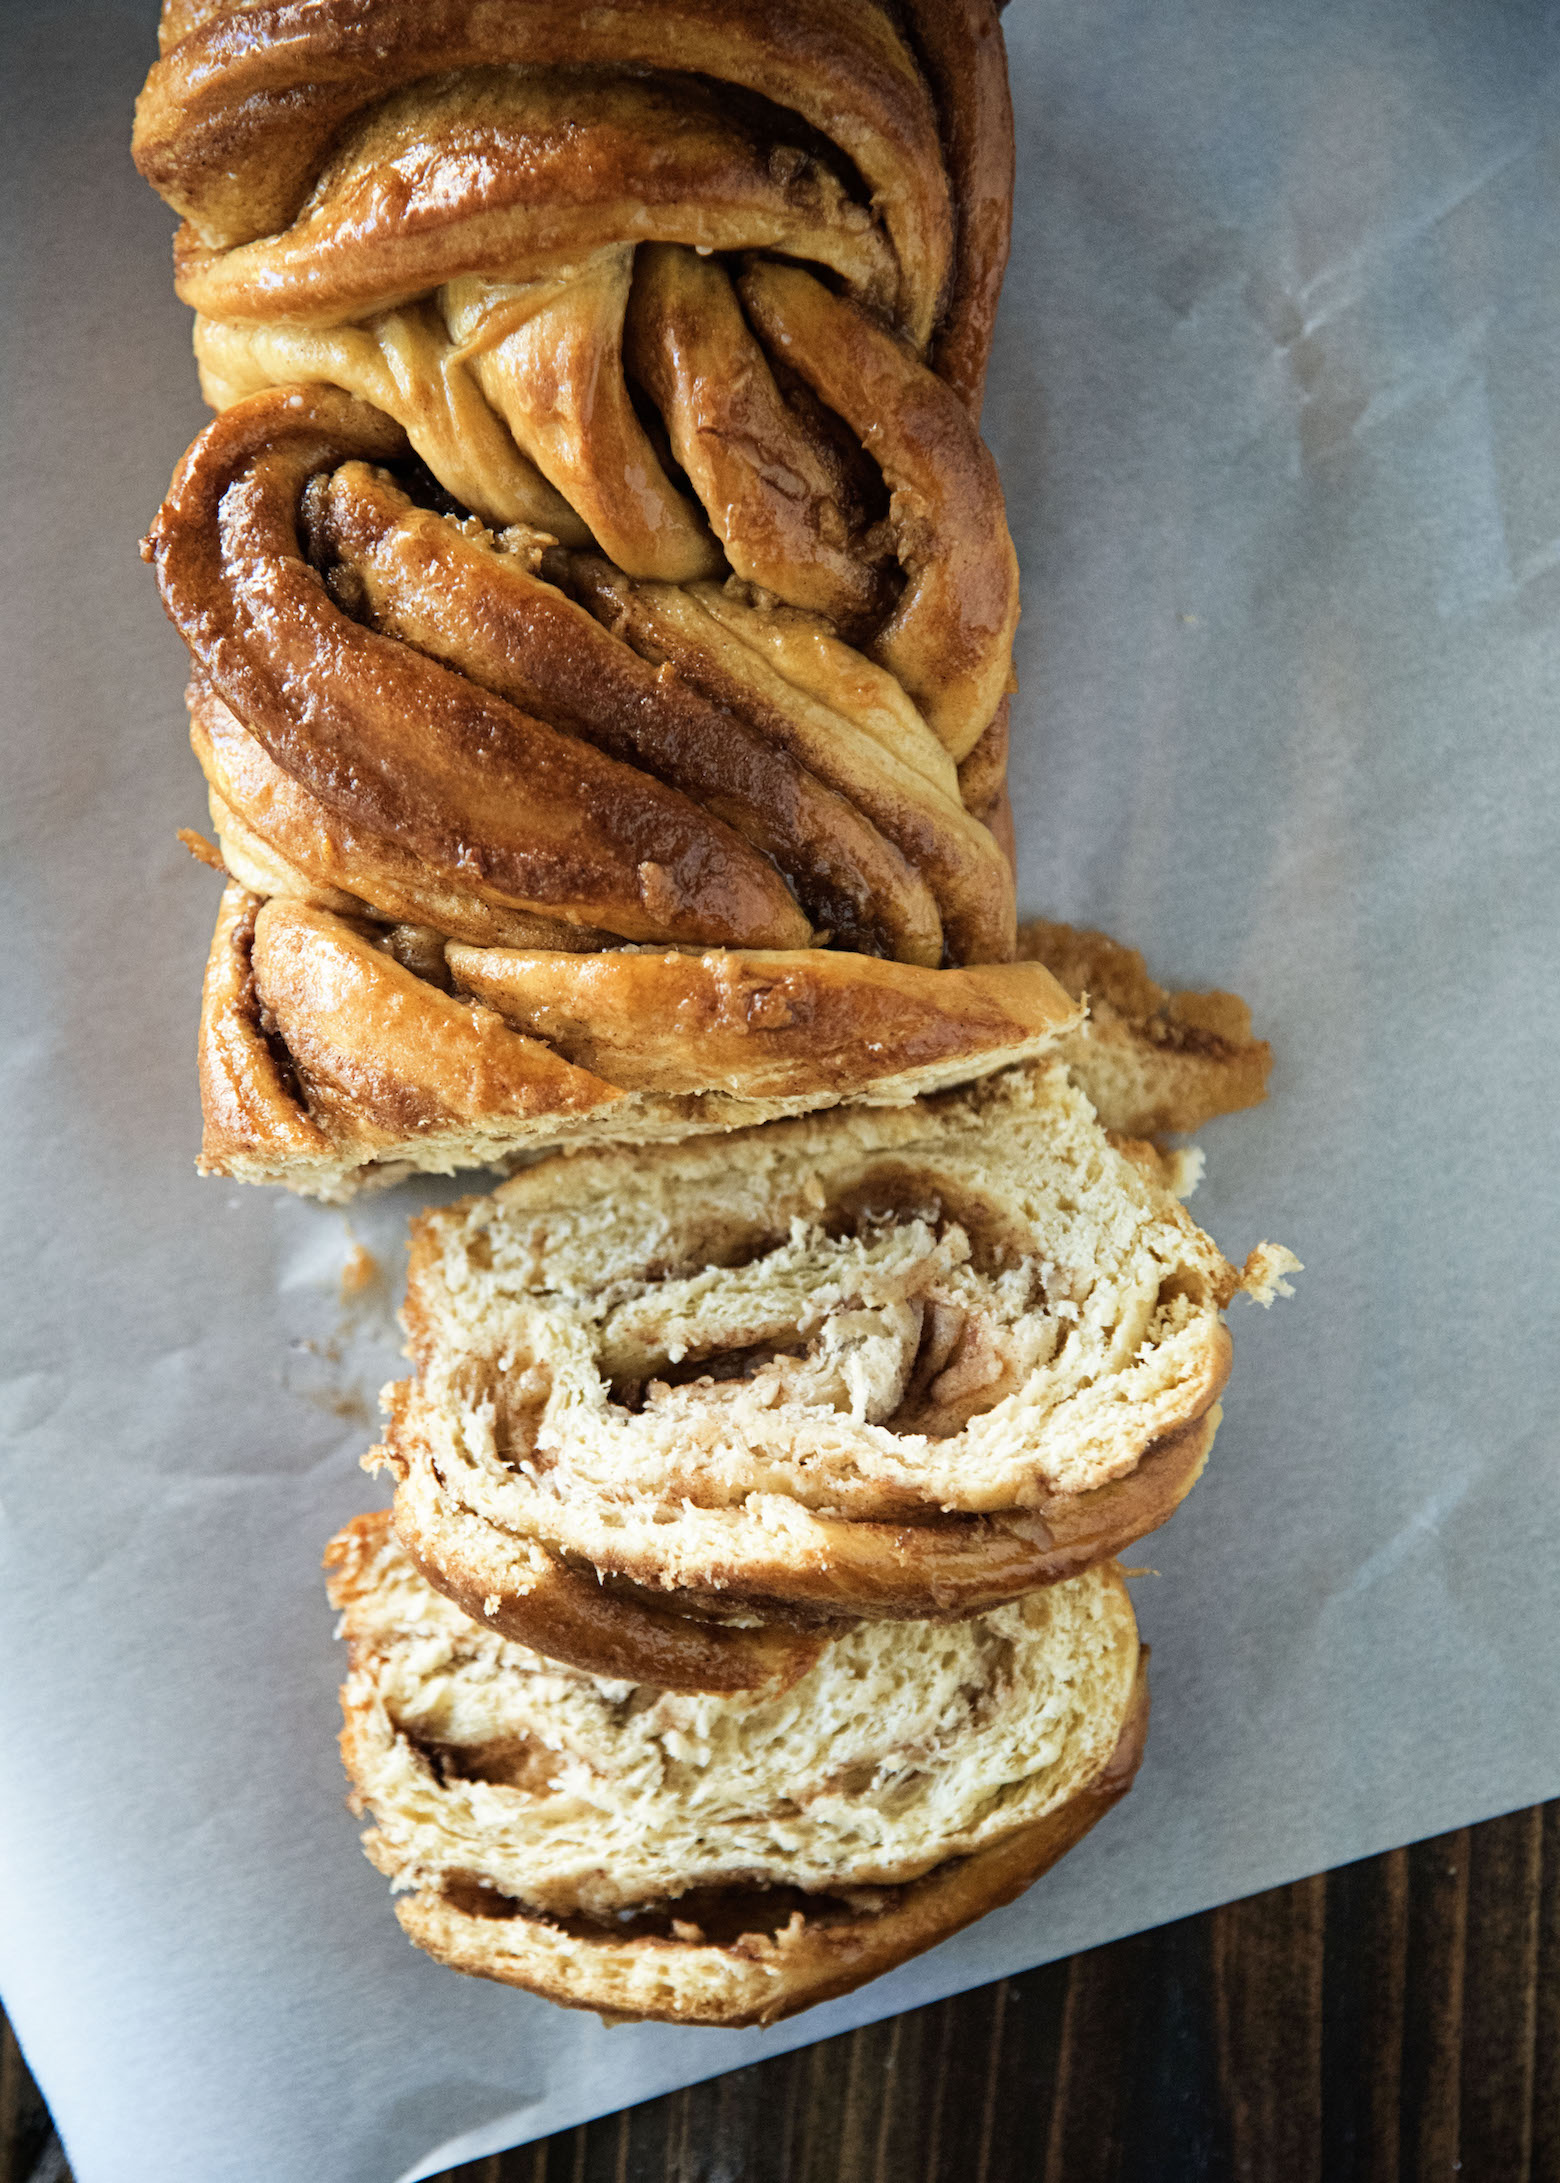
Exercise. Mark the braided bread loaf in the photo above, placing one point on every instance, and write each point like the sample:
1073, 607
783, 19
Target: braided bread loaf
600, 609
723, 1860
595, 551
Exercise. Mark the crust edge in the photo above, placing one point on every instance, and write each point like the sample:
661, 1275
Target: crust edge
760, 1979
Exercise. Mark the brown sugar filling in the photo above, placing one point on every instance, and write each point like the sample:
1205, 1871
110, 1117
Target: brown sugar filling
714, 1917
960, 1367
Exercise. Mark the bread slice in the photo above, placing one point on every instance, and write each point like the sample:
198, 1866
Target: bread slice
905, 1362
723, 1860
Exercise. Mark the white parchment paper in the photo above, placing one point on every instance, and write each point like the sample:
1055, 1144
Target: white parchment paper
1276, 403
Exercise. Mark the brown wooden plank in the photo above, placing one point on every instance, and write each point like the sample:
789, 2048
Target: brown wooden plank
1500, 1998
965, 2033
1176, 2096
742, 2125
1087, 2136
1024, 2064
894, 2127
1363, 1976
1267, 1970
968, 2031
1546, 2025
991, 2084
1429, 2100
825, 2075
868, 2096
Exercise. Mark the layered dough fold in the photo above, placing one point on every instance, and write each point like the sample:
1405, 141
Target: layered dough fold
723, 1859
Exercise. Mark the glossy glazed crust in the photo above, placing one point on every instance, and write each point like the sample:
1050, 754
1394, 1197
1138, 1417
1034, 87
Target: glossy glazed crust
325, 1063
626, 757
246, 1098
959, 45
401, 749
188, 131
455, 231
772, 1025
949, 639
761, 1977
238, 116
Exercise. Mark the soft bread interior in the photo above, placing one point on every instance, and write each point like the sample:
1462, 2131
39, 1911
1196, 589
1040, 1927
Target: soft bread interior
669, 1363
485, 1766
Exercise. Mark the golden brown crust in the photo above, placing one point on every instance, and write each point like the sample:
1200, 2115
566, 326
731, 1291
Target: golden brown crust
959, 45
437, 741
950, 638
244, 1091
298, 1015
464, 228
765, 1025
934, 877
236, 119
983, 772
780, 496
381, 1054
761, 1975
402, 748
271, 827
1150, 1060
326, 1063
834, 829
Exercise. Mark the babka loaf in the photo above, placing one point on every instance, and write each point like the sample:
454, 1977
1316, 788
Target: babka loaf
595, 552
600, 608
874, 1362
723, 1860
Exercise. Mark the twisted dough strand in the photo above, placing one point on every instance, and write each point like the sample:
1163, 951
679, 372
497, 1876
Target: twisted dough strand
594, 548
399, 745
236, 120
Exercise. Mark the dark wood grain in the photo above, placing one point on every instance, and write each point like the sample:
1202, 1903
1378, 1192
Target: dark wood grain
1391, 2022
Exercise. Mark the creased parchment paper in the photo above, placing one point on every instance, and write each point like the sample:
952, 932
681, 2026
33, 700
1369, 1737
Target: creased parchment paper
1276, 404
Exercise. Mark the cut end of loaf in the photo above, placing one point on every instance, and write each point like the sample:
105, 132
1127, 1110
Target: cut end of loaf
329, 1065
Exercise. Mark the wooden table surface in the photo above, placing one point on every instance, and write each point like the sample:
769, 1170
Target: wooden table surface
1390, 2022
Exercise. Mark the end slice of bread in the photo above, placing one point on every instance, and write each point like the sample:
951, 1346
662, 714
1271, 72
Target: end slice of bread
723, 1860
